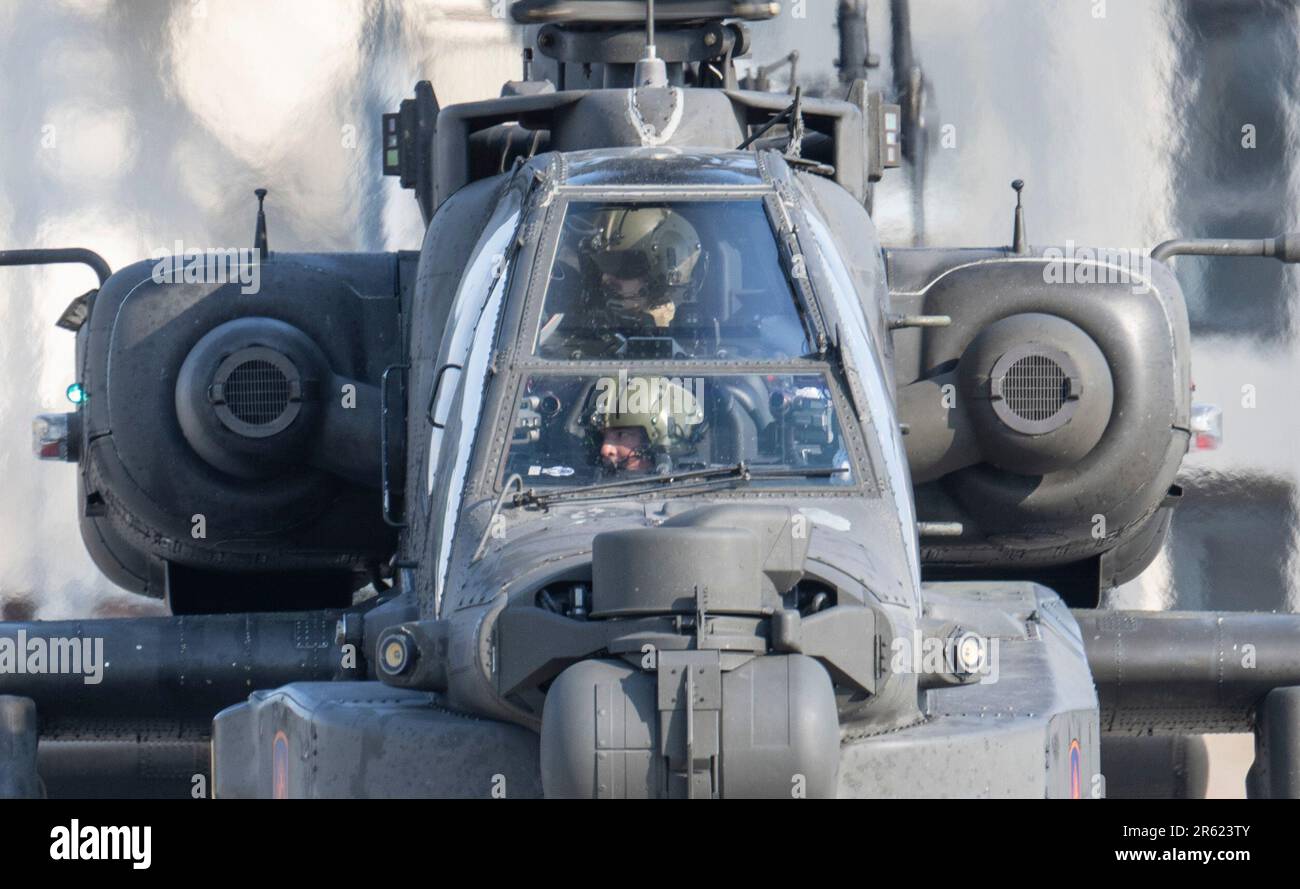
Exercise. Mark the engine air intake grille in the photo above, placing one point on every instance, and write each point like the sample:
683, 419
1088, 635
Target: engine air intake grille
257, 392
1035, 388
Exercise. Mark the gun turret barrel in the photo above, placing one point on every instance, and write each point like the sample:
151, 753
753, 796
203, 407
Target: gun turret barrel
1172, 672
163, 666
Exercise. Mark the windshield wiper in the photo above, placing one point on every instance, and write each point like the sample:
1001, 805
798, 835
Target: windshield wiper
738, 471
532, 498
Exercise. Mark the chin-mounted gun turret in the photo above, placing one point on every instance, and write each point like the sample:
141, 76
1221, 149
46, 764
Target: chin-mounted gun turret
716, 662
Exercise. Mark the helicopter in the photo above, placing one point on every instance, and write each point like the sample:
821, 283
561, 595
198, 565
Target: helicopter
669, 479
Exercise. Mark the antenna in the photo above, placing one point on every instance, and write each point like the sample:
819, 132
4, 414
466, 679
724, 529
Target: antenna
259, 236
649, 29
1018, 241
651, 70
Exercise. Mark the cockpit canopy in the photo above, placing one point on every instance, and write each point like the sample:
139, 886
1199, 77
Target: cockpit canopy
687, 279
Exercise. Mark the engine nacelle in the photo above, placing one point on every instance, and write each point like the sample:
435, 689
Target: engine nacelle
1049, 418
229, 441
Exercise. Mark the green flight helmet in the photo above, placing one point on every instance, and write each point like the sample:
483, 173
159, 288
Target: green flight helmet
667, 411
653, 243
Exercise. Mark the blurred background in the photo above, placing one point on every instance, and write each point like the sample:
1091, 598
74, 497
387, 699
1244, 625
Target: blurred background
131, 125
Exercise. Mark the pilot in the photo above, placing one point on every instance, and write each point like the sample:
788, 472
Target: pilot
625, 449
638, 265
646, 425
645, 258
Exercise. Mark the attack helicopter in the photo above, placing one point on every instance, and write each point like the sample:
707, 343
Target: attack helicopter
669, 479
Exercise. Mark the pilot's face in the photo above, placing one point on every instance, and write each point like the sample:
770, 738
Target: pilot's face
632, 295
626, 289
624, 449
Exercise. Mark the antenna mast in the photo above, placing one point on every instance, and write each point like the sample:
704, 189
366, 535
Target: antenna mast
651, 70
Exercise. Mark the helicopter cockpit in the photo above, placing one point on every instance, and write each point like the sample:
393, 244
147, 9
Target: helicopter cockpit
642, 301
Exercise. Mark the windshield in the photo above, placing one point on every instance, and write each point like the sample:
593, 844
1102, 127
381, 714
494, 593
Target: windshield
668, 280
575, 429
